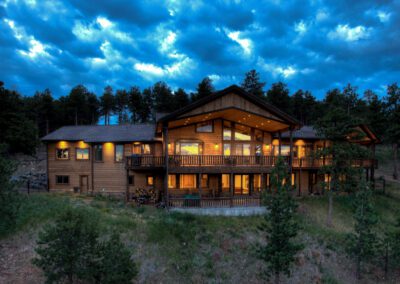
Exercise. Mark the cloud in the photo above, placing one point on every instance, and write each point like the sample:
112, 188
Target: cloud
344, 32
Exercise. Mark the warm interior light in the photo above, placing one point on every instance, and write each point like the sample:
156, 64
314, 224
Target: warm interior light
62, 144
216, 146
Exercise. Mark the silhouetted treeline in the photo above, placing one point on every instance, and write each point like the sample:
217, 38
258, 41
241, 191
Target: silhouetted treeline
23, 119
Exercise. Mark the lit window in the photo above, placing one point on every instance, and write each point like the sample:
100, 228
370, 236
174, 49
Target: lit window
241, 184
62, 179
227, 130
293, 179
242, 149
98, 152
242, 133
119, 152
204, 180
206, 127
82, 153
227, 149
188, 148
150, 180
171, 181
285, 150
246, 149
137, 149
187, 181
225, 180
62, 154
146, 149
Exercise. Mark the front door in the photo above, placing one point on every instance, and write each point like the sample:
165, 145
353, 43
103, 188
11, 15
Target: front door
84, 184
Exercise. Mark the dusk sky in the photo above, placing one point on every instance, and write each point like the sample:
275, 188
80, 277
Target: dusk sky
312, 45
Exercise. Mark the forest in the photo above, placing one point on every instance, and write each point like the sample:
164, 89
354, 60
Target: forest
24, 118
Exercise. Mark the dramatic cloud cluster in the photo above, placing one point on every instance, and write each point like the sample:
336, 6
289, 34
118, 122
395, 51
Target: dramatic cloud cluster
314, 45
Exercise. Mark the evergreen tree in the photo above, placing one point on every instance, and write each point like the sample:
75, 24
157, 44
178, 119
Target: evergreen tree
134, 103
163, 97
204, 89
389, 248
362, 243
392, 134
40, 108
278, 96
146, 111
107, 104
375, 115
121, 106
279, 226
252, 84
181, 99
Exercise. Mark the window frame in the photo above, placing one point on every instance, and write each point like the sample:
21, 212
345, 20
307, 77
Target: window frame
81, 159
63, 159
207, 121
62, 176
95, 152
115, 153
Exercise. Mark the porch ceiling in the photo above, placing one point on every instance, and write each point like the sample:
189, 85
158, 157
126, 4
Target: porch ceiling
233, 114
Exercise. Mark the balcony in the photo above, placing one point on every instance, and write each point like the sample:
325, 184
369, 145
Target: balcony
220, 162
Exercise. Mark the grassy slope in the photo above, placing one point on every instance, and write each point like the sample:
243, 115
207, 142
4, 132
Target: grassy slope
172, 247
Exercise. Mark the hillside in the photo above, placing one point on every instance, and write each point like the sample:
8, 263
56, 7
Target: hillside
172, 247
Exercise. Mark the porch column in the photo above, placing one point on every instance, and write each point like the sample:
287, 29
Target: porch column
231, 187
166, 141
291, 151
280, 143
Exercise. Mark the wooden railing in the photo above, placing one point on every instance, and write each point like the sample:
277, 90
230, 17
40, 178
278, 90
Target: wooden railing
143, 161
209, 202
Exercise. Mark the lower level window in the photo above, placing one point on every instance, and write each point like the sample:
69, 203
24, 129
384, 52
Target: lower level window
62, 179
241, 184
150, 180
225, 180
187, 181
171, 181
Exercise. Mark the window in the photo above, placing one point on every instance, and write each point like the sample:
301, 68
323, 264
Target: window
146, 149
171, 181
62, 154
131, 180
82, 153
227, 149
62, 179
242, 149
188, 148
225, 180
98, 152
206, 127
227, 130
137, 149
258, 135
285, 150
204, 180
257, 182
258, 149
119, 152
242, 133
187, 181
241, 184
150, 180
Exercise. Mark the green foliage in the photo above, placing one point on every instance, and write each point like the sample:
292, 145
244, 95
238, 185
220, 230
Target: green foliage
278, 96
9, 197
70, 250
252, 83
362, 243
204, 89
280, 226
107, 104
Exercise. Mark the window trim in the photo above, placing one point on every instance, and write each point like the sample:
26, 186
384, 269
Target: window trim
76, 154
212, 126
67, 183
115, 152
62, 159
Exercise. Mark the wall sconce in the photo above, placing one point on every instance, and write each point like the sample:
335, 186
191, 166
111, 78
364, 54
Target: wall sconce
216, 146
267, 147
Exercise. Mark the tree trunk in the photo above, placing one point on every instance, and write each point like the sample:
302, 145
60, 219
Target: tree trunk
330, 209
395, 149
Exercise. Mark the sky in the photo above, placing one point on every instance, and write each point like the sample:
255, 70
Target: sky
310, 45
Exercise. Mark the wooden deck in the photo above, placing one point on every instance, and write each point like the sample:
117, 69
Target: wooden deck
214, 202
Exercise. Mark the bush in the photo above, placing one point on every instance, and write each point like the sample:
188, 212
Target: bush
70, 249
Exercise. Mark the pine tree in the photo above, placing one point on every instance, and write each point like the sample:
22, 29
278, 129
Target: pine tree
279, 226
362, 244
204, 89
134, 103
163, 97
121, 106
252, 84
107, 104
278, 95
181, 99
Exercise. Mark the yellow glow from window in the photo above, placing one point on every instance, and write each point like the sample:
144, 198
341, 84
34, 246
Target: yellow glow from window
82, 144
108, 149
293, 179
275, 142
62, 144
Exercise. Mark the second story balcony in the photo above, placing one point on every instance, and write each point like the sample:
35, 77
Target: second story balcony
137, 162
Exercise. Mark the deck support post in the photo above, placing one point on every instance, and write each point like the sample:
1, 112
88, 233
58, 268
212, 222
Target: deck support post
291, 150
165, 136
280, 144
231, 187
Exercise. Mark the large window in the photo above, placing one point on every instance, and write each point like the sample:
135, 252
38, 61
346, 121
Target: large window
82, 153
187, 181
241, 184
285, 150
139, 148
206, 127
227, 130
188, 148
171, 181
119, 152
62, 179
227, 149
242, 149
242, 133
225, 181
62, 154
146, 149
98, 152
257, 182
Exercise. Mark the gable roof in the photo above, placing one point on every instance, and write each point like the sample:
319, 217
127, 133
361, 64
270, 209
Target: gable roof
235, 90
104, 133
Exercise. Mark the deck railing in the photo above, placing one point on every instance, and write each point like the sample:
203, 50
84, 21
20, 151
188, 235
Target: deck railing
209, 202
145, 161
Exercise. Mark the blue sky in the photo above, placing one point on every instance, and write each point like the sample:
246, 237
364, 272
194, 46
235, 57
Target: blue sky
312, 45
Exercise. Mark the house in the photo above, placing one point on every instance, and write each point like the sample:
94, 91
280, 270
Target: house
217, 151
